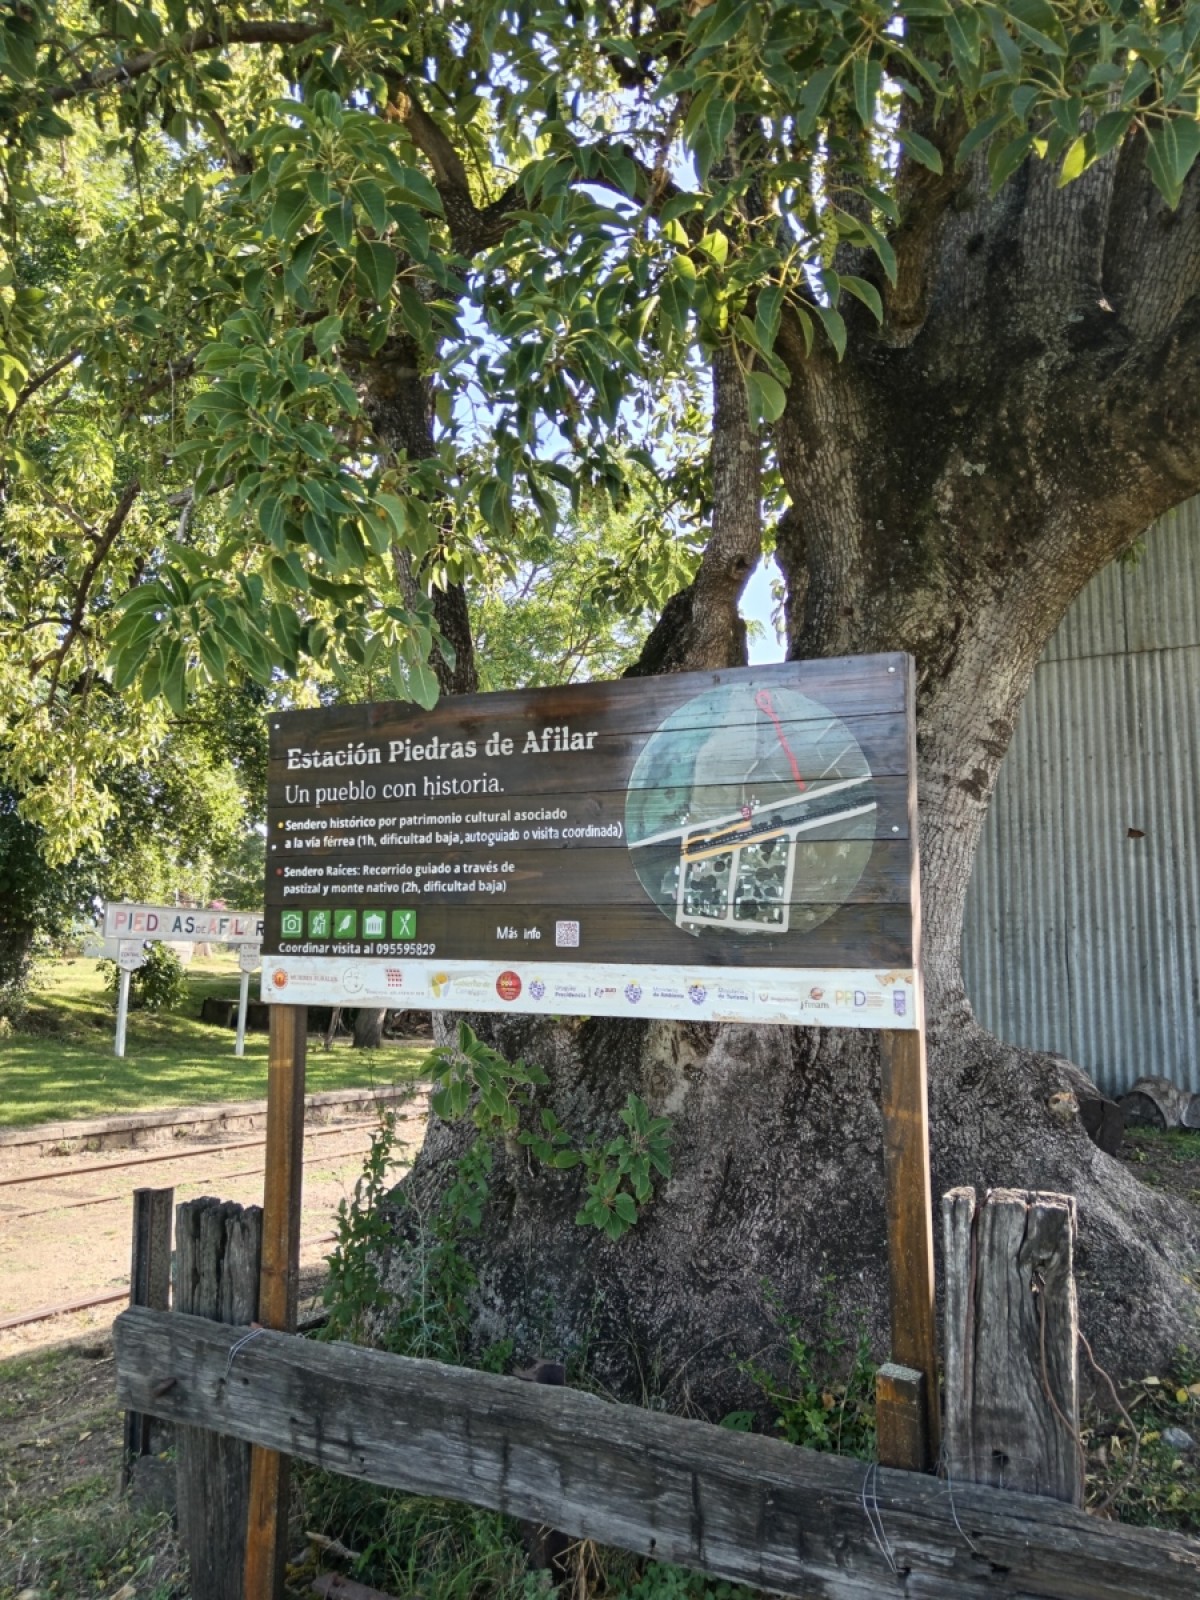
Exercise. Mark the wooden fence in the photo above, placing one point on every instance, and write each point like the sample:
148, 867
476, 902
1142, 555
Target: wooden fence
749, 1509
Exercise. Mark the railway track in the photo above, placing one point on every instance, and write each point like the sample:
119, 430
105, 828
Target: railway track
211, 1153
178, 1154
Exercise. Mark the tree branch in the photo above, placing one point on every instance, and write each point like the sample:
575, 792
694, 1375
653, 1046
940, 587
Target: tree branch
104, 544
196, 42
700, 628
69, 511
40, 382
924, 197
472, 227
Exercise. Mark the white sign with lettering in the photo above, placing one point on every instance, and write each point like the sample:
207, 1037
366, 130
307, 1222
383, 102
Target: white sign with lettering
182, 924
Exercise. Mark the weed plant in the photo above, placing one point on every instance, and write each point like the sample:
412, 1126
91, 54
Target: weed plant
1133, 1473
822, 1395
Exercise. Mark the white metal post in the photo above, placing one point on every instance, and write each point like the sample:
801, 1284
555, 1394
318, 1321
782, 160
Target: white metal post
239, 1048
122, 1011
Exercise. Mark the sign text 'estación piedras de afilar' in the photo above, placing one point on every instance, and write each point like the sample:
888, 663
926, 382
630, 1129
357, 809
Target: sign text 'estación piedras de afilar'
719, 846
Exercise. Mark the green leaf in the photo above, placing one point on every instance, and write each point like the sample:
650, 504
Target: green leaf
1004, 159
626, 1208
370, 197
174, 668
1010, 54
868, 77
339, 220
20, 47
416, 188
767, 397
397, 511
1172, 149
812, 99
1074, 161
376, 264
212, 654
719, 117
962, 30
834, 327
864, 291
423, 685
767, 309
920, 149
412, 229
288, 212
1110, 129
326, 334
976, 136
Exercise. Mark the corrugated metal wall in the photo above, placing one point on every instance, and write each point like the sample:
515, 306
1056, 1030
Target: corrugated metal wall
1080, 938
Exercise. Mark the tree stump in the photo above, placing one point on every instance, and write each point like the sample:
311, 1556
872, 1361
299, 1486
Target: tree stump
1011, 1332
217, 1251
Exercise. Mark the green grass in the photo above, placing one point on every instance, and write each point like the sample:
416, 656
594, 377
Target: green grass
1130, 1465
64, 1532
59, 1064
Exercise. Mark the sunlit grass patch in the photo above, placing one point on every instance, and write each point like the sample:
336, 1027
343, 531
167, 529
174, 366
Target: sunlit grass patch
60, 1064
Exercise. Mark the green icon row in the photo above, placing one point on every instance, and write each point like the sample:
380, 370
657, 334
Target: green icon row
331, 923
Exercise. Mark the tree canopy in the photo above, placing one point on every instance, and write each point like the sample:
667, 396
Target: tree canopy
328, 329
312, 314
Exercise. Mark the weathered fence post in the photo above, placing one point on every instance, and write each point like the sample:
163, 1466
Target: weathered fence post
218, 1248
1012, 1327
149, 1285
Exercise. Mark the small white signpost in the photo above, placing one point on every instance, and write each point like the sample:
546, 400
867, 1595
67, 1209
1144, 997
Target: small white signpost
130, 956
134, 926
249, 960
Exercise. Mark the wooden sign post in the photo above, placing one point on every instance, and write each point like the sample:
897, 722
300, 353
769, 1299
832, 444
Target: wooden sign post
266, 1530
908, 1421
726, 847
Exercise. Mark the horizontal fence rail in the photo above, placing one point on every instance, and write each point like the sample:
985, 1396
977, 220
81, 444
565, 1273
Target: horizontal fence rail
744, 1508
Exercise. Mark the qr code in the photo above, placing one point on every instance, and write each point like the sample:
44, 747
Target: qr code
566, 934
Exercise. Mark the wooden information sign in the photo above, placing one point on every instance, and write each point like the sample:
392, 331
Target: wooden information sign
730, 846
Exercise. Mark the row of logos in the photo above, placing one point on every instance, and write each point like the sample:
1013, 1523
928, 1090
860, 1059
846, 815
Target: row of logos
464, 987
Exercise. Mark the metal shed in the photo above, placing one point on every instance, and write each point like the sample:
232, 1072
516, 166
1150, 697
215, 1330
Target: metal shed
1082, 916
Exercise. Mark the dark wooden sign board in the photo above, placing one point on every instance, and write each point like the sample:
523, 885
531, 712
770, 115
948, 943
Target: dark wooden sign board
729, 846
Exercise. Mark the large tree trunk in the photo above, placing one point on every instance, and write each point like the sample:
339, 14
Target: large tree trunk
954, 483
368, 1028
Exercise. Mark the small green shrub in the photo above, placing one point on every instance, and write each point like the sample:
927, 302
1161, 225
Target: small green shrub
445, 1551
159, 984
619, 1172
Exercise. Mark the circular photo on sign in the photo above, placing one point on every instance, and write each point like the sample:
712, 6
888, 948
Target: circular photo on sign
750, 811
